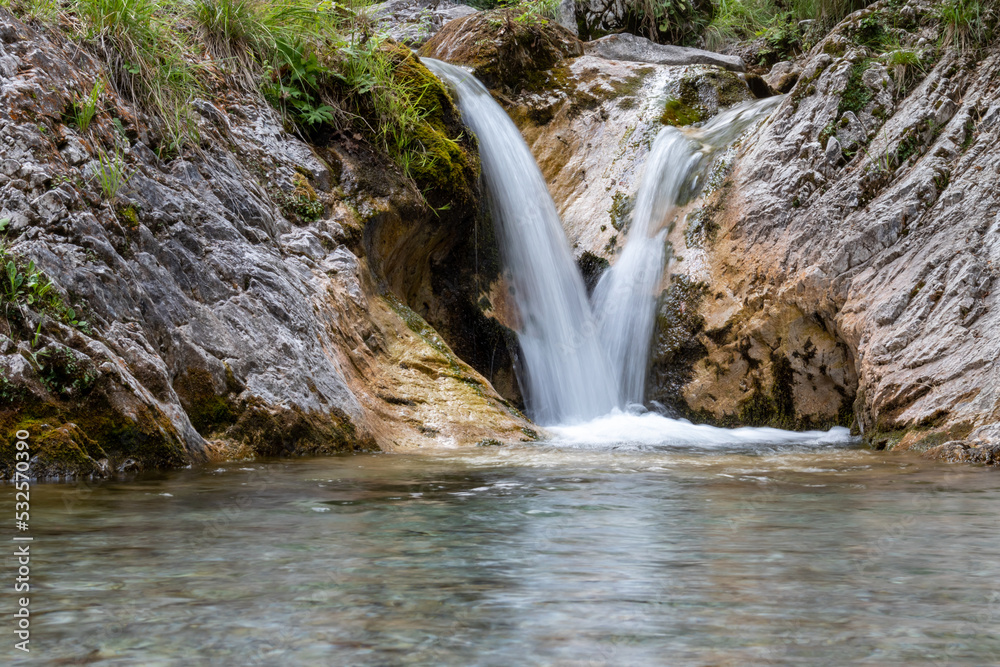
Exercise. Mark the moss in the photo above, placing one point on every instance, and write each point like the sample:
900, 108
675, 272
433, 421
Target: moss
124, 430
62, 451
128, 214
269, 430
621, 210
679, 114
686, 105
209, 412
676, 345
856, 95
446, 169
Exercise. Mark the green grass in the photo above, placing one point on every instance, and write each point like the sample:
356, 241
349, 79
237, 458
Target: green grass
112, 173
968, 24
85, 109
776, 20
324, 65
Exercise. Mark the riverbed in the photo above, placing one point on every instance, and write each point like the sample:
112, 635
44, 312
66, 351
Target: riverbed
525, 555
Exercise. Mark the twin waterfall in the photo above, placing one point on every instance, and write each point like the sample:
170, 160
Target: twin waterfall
583, 359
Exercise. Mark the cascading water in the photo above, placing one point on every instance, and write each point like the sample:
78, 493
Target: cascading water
583, 363
566, 373
625, 298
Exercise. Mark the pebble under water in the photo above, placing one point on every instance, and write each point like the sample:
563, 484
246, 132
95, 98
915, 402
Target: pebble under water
547, 554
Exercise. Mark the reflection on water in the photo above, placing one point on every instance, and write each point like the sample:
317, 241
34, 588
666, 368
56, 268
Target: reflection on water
529, 555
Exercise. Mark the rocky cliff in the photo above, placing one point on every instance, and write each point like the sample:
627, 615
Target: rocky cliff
839, 267
252, 294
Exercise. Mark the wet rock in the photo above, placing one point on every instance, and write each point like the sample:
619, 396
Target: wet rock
625, 46
850, 132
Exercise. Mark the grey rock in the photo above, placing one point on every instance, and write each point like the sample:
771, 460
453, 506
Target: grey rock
833, 151
75, 151
566, 16
850, 132
628, 47
413, 22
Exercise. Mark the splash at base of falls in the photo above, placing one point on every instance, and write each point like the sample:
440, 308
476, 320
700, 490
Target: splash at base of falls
623, 430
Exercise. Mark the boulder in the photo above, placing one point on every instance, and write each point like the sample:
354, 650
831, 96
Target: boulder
625, 46
504, 49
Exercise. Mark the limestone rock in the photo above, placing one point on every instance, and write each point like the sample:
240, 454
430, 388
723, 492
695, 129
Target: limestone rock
234, 297
502, 51
625, 46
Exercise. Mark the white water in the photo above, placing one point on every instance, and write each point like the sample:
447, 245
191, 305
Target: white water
625, 298
565, 373
583, 363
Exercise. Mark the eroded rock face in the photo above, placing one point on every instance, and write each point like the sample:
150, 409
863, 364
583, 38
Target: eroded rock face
248, 298
847, 264
840, 267
591, 125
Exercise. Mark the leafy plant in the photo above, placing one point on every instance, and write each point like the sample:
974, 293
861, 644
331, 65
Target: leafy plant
670, 21
25, 286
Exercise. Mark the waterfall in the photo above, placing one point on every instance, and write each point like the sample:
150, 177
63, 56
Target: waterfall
565, 372
583, 360
625, 297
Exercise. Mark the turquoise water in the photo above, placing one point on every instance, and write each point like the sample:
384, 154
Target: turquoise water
524, 556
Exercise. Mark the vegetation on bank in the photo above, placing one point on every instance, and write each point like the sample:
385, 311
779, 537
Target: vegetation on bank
324, 65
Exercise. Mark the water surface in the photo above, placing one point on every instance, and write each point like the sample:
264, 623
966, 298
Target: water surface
532, 555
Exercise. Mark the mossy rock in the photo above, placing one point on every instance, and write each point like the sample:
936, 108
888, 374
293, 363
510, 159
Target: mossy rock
209, 409
270, 430
62, 451
107, 420
699, 96
676, 346
447, 169
506, 48
679, 114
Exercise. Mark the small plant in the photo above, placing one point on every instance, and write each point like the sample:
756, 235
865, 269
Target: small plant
25, 286
85, 109
967, 23
112, 173
534, 11
295, 85
904, 64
